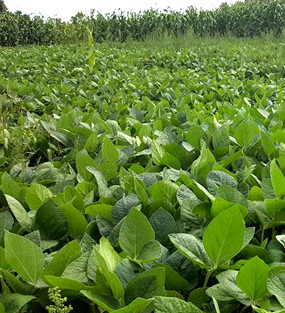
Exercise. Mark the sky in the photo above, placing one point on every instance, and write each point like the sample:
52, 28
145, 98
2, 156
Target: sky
64, 9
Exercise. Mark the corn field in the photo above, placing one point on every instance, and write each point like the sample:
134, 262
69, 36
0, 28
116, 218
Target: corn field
242, 19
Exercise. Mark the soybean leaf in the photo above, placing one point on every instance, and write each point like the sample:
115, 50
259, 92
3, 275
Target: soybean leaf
123, 207
50, 221
224, 236
22, 216
215, 179
145, 285
6, 222
192, 248
10, 187
75, 219
83, 160
277, 179
105, 302
252, 278
135, 233
62, 258
112, 279
227, 288
36, 195
170, 304
14, 302
245, 132
164, 190
173, 281
276, 283
139, 305
65, 283
24, 256
163, 224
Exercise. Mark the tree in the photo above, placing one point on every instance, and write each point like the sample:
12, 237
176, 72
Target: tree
3, 7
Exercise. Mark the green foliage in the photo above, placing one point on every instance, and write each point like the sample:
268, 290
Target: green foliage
242, 19
149, 179
3, 7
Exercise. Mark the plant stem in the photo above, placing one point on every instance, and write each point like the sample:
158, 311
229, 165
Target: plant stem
207, 278
273, 233
262, 234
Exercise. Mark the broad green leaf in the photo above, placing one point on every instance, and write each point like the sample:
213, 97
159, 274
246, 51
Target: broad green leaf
22, 216
105, 302
227, 289
111, 257
231, 195
6, 222
163, 224
65, 283
145, 285
252, 278
194, 136
277, 179
184, 193
221, 137
173, 281
150, 252
15, 302
169, 304
260, 310
219, 205
100, 209
170, 160
24, 256
273, 206
245, 132
198, 296
62, 258
62, 138
123, 207
126, 270
276, 283
267, 143
36, 195
110, 156
3, 262
83, 160
103, 189
10, 187
255, 194
137, 306
135, 233
192, 248
164, 190
109, 151
112, 279
201, 167
75, 219
72, 196
157, 152
215, 179
50, 221
224, 236
77, 269
140, 191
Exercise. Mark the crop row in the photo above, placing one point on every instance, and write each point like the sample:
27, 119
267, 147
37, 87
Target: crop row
142, 179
